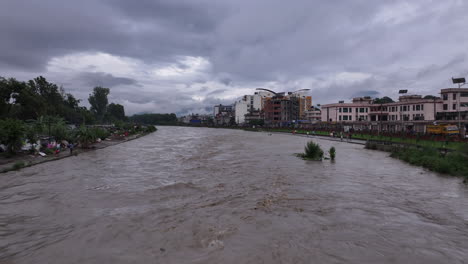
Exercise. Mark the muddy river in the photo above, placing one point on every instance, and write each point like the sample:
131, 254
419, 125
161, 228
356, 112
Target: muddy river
199, 195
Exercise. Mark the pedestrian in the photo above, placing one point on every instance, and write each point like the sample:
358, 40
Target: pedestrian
70, 146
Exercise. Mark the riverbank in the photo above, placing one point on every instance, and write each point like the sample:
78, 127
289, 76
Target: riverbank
454, 163
18, 162
446, 159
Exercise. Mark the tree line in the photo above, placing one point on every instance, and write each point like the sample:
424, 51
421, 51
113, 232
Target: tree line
38, 97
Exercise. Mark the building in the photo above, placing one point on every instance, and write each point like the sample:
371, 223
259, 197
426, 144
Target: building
358, 110
454, 104
410, 113
280, 110
250, 105
223, 115
313, 115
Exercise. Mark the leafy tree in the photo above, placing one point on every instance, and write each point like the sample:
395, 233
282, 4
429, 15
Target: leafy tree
432, 97
11, 134
98, 101
116, 112
383, 100
155, 119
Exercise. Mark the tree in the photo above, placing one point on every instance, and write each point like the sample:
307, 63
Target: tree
116, 112
383, 100
98, 101
11, 134
432, 97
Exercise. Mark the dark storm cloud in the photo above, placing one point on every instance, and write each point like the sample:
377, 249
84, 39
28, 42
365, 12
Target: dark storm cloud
284, 45
366, 93
93, 79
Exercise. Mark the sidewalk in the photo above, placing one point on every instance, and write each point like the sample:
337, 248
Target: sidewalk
23, 161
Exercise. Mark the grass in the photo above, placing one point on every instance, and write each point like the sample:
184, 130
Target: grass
18, 165
411, 141
312, 151
454, 163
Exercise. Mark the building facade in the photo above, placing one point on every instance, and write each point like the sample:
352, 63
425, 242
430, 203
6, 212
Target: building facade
281, 111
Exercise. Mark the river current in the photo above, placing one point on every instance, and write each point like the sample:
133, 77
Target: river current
200, 195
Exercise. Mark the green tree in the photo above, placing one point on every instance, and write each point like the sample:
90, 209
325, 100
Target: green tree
98, 101
432, 97
116, 112
383, 100
11, 134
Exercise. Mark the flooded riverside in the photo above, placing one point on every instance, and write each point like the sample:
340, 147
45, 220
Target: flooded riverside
200, 195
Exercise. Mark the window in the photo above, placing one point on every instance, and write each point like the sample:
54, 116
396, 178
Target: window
445, 96
345, 117
350, 117
401, 108
350, 110
464, 95
422, 107
361, 110
464, 104
418, 108
454, 106
414, 107
445, 106
345, 110
367, 109
340, 109
454, 96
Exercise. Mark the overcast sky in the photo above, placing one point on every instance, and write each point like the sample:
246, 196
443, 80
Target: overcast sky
184, 56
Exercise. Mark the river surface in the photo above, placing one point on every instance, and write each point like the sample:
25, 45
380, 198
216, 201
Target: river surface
199, 195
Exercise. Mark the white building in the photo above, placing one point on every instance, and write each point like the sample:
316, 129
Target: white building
248, 104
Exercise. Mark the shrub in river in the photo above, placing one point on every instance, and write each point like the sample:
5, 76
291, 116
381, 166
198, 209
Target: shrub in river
312, 151
332, 153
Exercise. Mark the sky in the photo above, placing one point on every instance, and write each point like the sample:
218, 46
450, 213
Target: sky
184, 56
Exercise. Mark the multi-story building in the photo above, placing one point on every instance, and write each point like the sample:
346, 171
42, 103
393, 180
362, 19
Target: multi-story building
313, 115
249, 105
454, 104
281, 110
223, 115
358, 110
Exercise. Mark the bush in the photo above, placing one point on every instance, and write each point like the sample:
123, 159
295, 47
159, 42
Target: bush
11, 134
150, 129
18, 165
332, 153
312, 151
454, 163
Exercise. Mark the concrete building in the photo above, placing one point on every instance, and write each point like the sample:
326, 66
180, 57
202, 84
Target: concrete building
223, 115
455, 104
281, 111
313, 115
249, 105
358, 110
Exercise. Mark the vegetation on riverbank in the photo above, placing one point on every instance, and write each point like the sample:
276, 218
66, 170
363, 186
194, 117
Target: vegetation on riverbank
361, 136
454, 162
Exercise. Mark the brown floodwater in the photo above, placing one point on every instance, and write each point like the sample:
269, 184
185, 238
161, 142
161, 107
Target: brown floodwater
199, 195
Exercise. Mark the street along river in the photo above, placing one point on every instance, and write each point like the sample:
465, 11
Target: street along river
200, 195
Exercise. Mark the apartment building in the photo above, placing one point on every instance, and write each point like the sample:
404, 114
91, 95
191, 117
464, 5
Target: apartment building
249, 105
281, 110
454, 104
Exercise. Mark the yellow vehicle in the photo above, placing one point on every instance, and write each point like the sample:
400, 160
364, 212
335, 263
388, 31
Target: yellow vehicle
449, 130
